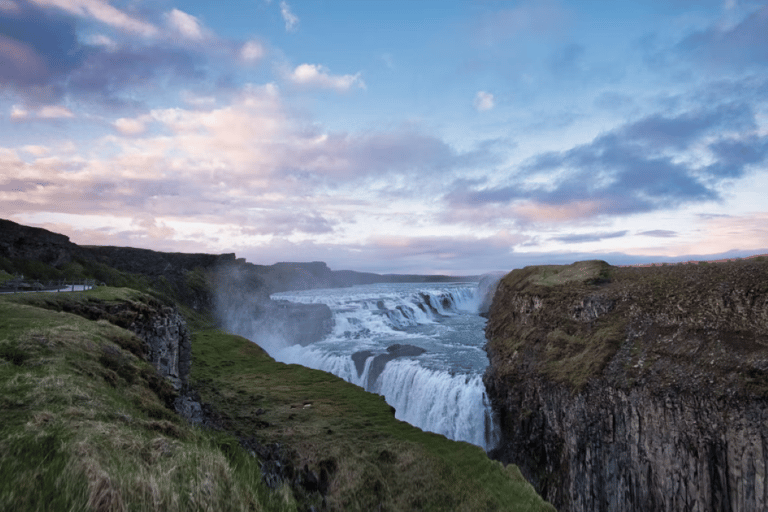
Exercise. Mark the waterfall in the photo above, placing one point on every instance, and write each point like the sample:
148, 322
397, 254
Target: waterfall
420, 346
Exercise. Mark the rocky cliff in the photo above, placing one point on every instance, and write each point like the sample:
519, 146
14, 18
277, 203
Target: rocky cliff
162, 330
634, 388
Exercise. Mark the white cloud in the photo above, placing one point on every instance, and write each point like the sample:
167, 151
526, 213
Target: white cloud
314, 75
102, 11
54, 112
185, 24
45, 112
102, 40
18, 112
135, 126
196, 100
36, 150
291, 20
484, 101
252, 51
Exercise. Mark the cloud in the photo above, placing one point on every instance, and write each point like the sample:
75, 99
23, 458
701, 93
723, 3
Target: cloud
249, 168
313, 75
484, 101
184, 24
105, 75
42, 60
290, 19
130, 127
588, 237
36, 49
641, 166
659, 233
54, 112
252, 51
744, 44
102, 11
19, 113
658, 131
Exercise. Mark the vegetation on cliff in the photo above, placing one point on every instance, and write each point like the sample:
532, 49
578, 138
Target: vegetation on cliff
86, 423
685, 325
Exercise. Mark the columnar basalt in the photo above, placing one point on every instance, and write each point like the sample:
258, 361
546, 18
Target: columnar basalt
634, 388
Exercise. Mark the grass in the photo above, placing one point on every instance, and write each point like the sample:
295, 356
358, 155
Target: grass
567, 323
80, 433
86, 427
5, 276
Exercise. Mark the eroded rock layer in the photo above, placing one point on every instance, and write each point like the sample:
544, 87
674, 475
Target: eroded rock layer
634, 388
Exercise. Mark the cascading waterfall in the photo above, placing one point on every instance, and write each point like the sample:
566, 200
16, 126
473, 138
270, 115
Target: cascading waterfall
420, 346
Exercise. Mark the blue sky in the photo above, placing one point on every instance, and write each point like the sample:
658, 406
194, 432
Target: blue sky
390, 136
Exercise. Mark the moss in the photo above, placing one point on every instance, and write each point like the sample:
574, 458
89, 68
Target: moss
589, 272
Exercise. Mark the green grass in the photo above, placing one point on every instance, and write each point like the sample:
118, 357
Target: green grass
589, 272
378, 460
83, 428
5, 276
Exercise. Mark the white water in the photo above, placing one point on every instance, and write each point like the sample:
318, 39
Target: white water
440, 390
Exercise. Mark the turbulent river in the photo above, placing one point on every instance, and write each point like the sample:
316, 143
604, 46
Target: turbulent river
418, 345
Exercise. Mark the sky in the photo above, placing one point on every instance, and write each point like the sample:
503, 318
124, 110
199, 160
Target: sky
421, 136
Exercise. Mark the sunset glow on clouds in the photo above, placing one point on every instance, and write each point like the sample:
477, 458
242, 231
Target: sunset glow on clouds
387, 136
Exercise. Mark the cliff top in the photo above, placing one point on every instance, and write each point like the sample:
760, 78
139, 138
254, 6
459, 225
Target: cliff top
686, 327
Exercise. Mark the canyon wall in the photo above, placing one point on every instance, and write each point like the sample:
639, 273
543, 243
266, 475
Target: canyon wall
634, 388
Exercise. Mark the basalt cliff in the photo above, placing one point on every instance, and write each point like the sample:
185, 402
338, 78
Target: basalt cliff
634, 388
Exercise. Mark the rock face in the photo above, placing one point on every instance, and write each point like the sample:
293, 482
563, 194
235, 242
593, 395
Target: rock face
380, 361
168, 343
162, 330
634, 388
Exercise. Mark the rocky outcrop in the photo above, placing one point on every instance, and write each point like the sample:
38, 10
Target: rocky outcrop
394, 351
166, 341
634, 389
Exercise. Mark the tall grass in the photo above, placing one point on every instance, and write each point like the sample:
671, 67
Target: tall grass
76, 435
